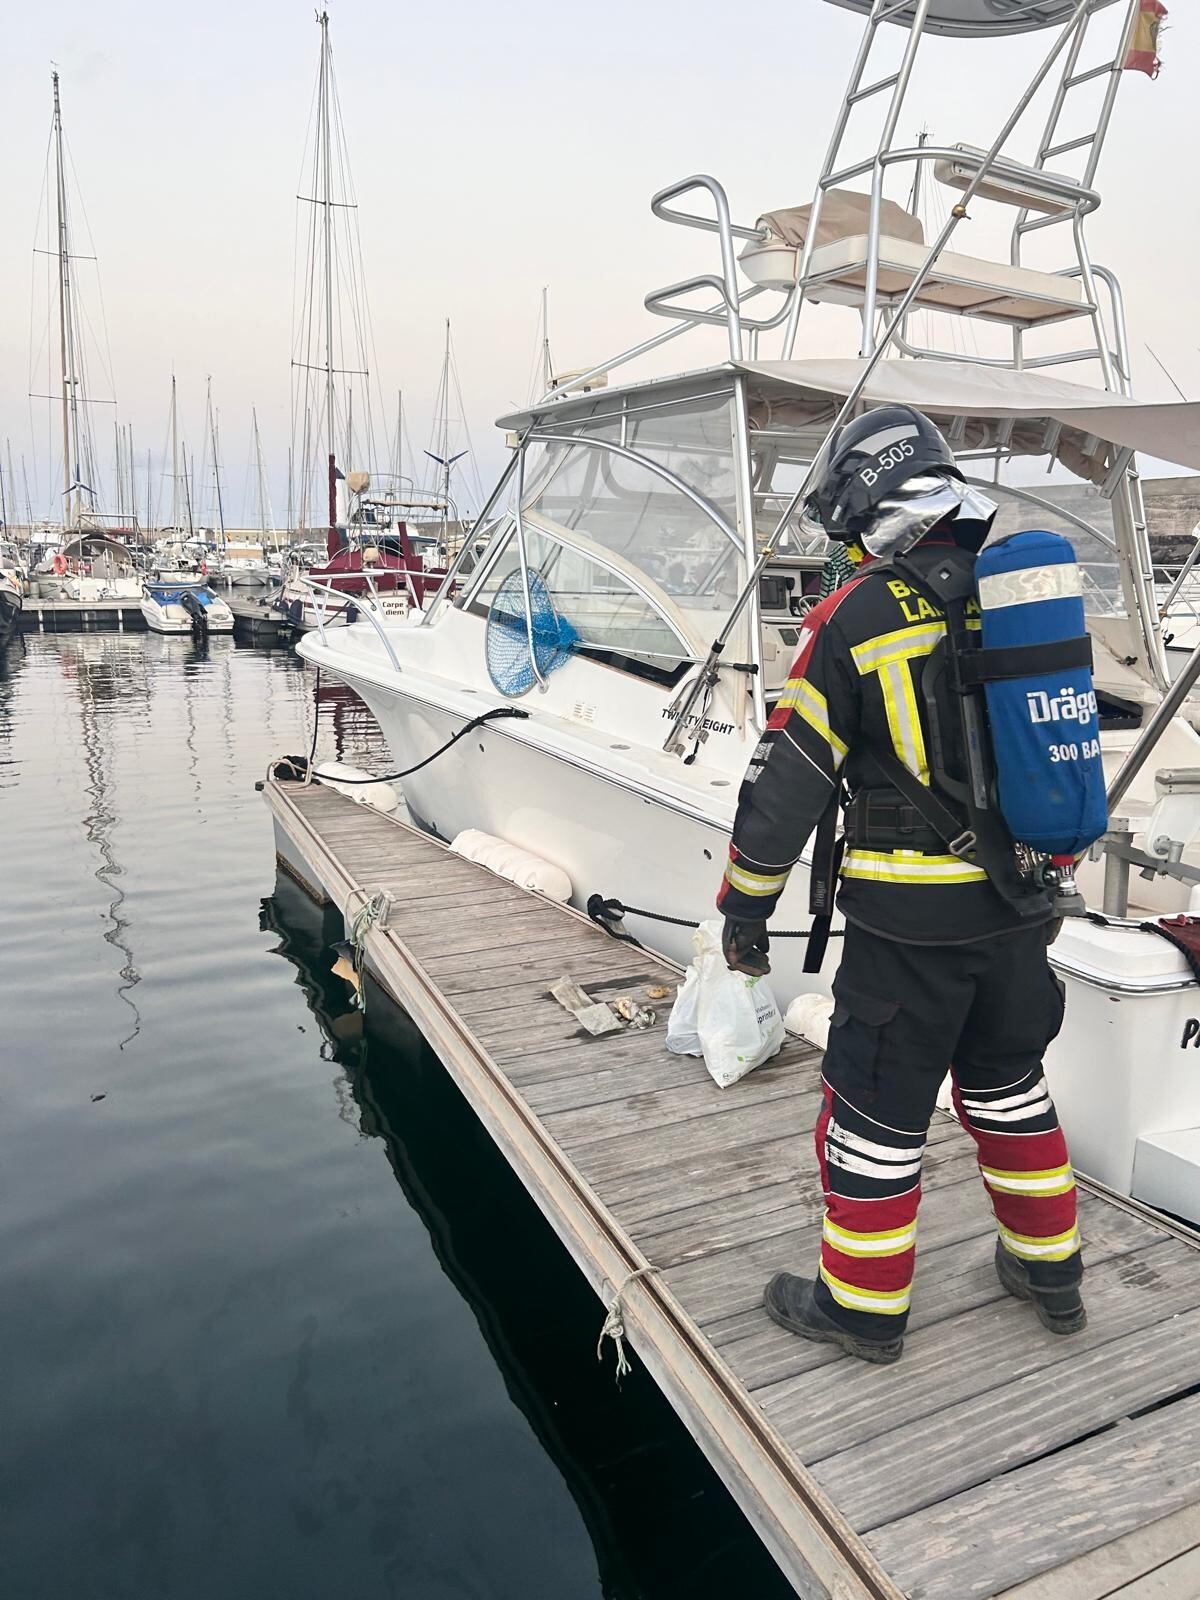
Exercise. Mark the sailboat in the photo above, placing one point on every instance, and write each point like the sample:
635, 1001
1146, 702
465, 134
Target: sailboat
94, 564
649, 516
369, 558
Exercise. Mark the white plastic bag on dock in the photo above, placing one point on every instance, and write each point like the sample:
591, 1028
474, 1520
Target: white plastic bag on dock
737, 1020
683, 1039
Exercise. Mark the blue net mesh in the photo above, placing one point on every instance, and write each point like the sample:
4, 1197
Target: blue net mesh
510, 661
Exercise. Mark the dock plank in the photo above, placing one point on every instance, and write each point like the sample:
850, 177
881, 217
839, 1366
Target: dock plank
1159, 1554
830, 1414
986, 1540
982, 1436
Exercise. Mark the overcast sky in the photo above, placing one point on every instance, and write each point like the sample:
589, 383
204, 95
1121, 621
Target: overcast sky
495, 148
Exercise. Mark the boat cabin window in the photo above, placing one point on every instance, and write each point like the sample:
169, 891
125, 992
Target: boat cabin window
616, 625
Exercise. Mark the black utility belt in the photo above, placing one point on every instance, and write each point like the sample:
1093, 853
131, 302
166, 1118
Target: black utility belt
881, 819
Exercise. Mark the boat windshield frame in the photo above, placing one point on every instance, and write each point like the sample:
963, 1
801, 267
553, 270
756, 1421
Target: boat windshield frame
560, 429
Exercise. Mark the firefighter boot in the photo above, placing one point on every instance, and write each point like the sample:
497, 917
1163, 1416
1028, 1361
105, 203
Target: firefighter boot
789, 1302
1060, 1310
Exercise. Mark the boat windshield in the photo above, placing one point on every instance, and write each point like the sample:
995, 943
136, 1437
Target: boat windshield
656, 488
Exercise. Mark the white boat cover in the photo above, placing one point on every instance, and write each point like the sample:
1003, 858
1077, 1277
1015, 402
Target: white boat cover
995, 401
969, 19
844, 212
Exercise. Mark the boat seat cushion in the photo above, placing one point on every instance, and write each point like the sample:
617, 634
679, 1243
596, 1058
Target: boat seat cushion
963, 284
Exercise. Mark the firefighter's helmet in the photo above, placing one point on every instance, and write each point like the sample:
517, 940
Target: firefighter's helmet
884, 479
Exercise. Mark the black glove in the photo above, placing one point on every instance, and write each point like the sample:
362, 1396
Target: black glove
744, 946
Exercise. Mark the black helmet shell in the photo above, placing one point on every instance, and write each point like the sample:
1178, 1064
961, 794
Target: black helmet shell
866, 460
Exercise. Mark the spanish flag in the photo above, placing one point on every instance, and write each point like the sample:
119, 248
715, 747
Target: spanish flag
1142, 55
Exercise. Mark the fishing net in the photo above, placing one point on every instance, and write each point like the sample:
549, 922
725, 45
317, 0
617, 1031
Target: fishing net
510, 660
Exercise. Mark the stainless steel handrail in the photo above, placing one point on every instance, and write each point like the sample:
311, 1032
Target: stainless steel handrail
323, 592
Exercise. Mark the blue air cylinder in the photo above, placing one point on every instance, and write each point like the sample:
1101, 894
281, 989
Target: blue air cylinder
1045, 727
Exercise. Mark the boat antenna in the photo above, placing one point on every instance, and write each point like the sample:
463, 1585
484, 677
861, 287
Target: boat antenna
547, 364
1162, 368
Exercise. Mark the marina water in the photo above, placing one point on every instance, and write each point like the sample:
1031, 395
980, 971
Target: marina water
275, 1318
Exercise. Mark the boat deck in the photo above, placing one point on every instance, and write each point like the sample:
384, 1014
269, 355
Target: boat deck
995, 1458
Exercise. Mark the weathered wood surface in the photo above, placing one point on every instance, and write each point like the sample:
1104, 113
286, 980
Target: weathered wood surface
985, 1540
993, 1452
1161, 1554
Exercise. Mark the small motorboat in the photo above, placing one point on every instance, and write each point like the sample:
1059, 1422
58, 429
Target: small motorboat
184, 608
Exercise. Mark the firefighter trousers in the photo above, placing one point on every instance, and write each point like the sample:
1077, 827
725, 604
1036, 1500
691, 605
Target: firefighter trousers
903, 1015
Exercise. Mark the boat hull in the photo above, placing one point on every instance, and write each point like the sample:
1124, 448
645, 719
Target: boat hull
610, 839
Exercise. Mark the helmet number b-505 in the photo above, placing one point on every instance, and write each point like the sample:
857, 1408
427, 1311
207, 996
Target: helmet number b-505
885, 461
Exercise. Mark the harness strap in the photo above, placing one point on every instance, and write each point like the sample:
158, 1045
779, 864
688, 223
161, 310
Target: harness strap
981, 666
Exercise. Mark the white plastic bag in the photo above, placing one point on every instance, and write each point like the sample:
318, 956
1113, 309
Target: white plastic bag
682, 1037
737, 1020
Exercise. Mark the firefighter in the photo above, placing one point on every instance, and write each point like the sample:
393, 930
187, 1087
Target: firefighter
944, 957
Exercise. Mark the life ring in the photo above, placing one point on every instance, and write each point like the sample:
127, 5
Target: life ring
59, 564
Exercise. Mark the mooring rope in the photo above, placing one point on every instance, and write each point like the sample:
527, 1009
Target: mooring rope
614, 1322
494, 715
608, 912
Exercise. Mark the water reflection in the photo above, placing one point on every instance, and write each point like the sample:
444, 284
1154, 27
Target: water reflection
661, 1523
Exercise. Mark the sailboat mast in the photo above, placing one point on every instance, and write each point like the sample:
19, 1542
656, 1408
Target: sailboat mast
174, 459
187, 496
129, 456
262, 505
327, 208
216, 460
446, 434
8, 533
63, 296
149, 514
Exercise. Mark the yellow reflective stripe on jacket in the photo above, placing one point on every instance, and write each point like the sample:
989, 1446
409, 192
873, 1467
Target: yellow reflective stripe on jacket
891, 1242
1055, 1248
889, 1302
1052, 1180
903, 718
902, 645
757, 883
809, 703
908, 866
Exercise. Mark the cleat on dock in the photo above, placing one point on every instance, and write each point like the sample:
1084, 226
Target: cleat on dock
789, 1302
1060, 1310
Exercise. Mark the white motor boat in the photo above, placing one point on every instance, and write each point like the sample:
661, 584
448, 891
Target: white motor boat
95, 566
190, 608
621, 604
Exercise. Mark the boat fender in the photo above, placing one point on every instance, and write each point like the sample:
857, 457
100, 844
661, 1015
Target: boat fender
509, 861
385, 797
1036, 672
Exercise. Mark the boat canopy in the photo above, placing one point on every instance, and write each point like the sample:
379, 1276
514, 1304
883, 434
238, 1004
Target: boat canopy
96, 546
984, 408
976, 19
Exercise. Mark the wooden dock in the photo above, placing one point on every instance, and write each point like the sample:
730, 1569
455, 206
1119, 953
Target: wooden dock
994, 1459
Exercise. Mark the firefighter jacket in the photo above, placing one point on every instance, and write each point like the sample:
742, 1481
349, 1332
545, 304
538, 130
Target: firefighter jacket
856, 685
